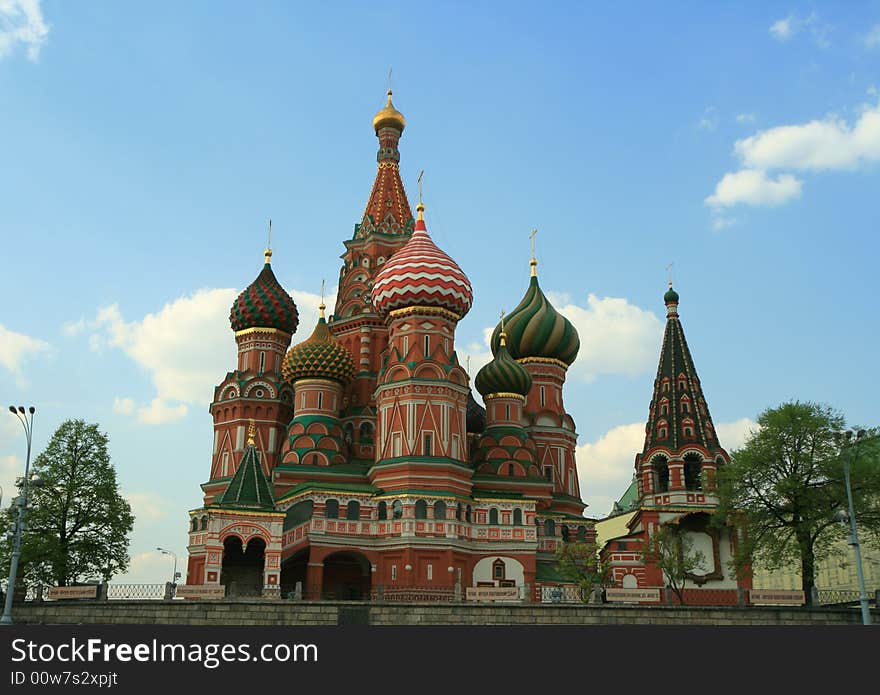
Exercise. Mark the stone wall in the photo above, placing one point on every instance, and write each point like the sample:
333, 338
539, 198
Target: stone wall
280, 612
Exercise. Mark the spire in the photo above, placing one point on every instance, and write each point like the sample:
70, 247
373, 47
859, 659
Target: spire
268, 251
679, 415
388, 210
249, 488
534, 261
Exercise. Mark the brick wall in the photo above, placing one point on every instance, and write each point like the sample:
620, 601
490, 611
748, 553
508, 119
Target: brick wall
267, 612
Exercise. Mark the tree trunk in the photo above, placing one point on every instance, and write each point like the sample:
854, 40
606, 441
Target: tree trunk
808, 567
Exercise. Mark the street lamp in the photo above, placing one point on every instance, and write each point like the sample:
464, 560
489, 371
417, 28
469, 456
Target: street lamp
854, 536
174, 555
28, 425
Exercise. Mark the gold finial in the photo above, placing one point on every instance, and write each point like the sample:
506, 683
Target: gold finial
669, 274
420, 208
503, 335
268, 251
321, 306
252, 432
534, 261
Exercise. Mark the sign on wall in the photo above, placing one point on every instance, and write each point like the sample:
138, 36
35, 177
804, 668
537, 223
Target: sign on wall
776, 597
59, 592
207, 591
632, 595
492, 593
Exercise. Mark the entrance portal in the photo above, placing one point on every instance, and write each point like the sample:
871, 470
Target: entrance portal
242, 571
346, 577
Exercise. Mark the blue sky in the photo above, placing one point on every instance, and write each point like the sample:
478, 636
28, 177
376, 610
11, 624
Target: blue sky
145, 146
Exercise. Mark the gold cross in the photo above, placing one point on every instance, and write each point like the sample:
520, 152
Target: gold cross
532, 237
421, 174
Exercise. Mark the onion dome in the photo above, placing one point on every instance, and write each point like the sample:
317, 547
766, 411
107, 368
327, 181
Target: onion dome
420, 274
475, 419
320, 356
389, 117
671, 296
264, 304
535, 329
503, 374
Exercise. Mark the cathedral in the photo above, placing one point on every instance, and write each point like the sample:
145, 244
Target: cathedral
358, 463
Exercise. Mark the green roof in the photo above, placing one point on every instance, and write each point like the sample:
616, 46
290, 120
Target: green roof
330, 487
249, 488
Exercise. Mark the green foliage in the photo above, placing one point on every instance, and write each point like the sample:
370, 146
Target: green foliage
671, 549
786, 484
579, 562
77, 523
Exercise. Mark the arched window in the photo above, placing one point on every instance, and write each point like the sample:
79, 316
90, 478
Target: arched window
582, 533
549, 527
366, 433
397, 509
468, 514
458, 511
331, 509
440, 510
499, 570
493, 516
517, 517
421, 509
353, 511
511, 470
664, 407
661, 474
692, 472
565, 533
195, 524
204, 523
383, 511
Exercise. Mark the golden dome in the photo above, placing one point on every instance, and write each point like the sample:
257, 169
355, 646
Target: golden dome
389, 117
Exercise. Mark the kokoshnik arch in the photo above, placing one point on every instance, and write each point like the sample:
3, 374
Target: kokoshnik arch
359, 457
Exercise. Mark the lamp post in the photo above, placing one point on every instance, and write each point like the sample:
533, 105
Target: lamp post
854, 536
28, 425
174, 555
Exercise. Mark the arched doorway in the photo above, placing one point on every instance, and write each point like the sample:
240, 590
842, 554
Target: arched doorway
293, 570
242, 570
347, 577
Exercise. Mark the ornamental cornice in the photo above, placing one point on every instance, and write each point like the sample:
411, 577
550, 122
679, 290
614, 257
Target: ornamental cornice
424, 310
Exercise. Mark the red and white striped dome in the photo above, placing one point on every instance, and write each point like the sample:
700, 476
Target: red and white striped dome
420, 274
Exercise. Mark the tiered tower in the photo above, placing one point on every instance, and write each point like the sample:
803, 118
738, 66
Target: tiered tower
385, 227
675, 474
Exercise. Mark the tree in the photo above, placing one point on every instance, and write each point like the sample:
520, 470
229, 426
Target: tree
786, 485
672, 551
77, 522
579, 562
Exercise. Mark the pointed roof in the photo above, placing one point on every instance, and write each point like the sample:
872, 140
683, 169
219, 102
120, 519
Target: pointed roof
388, 210
249, 488
678, 400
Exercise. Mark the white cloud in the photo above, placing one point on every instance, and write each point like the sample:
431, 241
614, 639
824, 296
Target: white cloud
606, 466
18, 348
872, 38
186, 347
74, 328
146, 506
616, 337
720, 222
22, 24
745, 118
754, 187
733, 435
783, 29
709, 121
123, 406
818, 145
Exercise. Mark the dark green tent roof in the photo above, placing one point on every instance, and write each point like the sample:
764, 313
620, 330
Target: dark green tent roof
249, 488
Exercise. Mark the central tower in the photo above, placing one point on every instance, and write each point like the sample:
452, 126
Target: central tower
386, 225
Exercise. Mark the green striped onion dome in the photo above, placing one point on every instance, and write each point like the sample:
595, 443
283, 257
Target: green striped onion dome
503, 375
264, 304
535, 329
321, 356
671, 296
